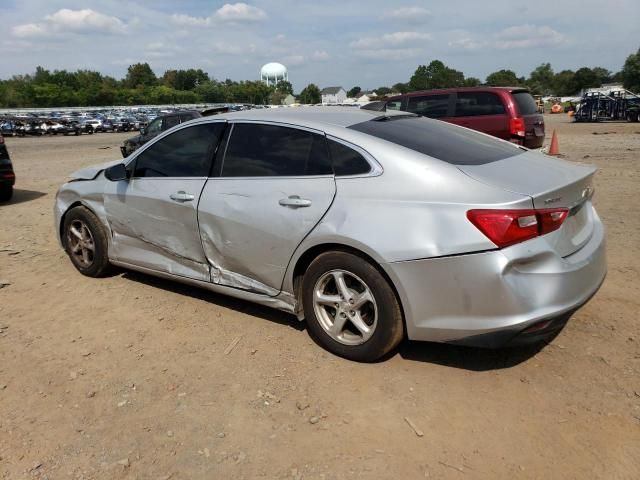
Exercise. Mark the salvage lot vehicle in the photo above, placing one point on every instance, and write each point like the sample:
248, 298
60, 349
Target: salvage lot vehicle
371, 226
7, 176
504, 112
156, 127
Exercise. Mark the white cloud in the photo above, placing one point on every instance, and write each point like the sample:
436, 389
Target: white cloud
71, 21
189, 21
30, 30
512, 38
240, 12
408, 14
391, 40
390, 53
320, 55
527, 36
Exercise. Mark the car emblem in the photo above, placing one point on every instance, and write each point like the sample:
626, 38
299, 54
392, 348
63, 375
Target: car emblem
552, 200
587, 192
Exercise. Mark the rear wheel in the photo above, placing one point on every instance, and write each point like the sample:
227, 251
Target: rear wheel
85, 242
350, 308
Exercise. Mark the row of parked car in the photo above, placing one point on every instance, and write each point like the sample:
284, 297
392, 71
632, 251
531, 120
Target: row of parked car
47, 126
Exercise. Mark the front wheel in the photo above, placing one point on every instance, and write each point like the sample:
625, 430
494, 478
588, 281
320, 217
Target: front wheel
350, 307
85, 241
6, 193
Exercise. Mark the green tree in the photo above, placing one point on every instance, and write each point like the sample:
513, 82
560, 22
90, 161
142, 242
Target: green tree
310, 94
435, 75
354, 92
502, 78
586, 78
472, 82
400, 87
140, 75
285, 87
382, 91
541, 79
631, 72
564, 83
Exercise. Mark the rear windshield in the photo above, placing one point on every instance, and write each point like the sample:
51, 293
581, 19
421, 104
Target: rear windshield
446, 142
526, 103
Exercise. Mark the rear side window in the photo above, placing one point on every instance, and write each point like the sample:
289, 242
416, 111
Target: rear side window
446, 142
526, 103
478, 103
185, 153
257, 150
432, 106
346, 161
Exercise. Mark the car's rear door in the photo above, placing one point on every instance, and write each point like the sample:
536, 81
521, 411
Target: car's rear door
153, 215
274, 184
482, 111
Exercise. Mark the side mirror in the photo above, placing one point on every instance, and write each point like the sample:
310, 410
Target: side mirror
116, 173
143, 130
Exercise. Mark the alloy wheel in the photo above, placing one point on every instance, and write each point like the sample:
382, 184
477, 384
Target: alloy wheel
345, 307
81, 244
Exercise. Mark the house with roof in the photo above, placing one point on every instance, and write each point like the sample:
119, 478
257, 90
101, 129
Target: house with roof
366, 97
333, 95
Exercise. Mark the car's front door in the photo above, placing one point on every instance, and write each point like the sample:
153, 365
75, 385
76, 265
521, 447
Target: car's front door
153, 215
274, 185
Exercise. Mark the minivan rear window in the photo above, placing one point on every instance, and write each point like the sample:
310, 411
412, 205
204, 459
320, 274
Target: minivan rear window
526, 103
441, 140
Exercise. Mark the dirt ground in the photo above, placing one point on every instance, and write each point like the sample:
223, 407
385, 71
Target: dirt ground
127, 377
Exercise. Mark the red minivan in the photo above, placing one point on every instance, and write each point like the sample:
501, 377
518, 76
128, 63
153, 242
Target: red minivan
504, 112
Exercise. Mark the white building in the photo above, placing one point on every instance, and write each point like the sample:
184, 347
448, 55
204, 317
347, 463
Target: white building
272, 73
333, 95
367, 97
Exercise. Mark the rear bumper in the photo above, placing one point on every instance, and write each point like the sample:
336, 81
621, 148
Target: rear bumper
491, 299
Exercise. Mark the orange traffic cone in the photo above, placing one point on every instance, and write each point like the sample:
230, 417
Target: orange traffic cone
554, 149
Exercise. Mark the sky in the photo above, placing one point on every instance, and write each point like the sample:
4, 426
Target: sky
330, 43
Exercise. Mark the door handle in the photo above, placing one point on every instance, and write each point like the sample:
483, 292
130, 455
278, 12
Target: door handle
181, 196
294, 201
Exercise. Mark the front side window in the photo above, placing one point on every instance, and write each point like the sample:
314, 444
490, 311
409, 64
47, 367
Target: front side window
155, 127
432, 106
171, 121
478, 103
394, 104
185, 153
258, 150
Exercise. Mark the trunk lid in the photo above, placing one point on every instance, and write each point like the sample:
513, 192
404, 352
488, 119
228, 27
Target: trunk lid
551, 183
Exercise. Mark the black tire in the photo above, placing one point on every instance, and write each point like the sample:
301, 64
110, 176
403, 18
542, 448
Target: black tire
6, 193
633, 116
99, 264
389, 330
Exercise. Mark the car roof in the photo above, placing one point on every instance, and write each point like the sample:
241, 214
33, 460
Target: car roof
461, 89
311, 117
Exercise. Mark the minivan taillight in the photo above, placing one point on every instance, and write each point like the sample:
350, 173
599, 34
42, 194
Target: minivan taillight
508, 227
517, 127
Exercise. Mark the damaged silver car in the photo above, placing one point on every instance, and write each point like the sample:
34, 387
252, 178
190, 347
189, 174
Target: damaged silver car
371, 226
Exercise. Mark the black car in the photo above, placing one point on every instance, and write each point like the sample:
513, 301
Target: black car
157, 126
7, 177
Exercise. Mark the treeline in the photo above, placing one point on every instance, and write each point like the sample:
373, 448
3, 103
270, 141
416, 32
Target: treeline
542, 81
141, 86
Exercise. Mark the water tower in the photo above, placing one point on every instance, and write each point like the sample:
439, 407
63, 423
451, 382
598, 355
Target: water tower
272, 73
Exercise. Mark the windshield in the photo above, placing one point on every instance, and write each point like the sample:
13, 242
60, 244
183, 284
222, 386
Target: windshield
446, 142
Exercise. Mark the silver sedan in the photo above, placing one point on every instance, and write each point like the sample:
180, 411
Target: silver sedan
371, 226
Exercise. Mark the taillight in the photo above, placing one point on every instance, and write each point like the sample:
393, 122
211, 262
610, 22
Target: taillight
508, 227
517, 127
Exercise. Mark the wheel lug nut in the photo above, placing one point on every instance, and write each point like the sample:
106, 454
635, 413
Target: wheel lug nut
351, 301
342, 315
352, 313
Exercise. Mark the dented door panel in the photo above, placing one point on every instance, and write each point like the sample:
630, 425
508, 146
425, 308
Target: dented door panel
250, 227
151, 230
